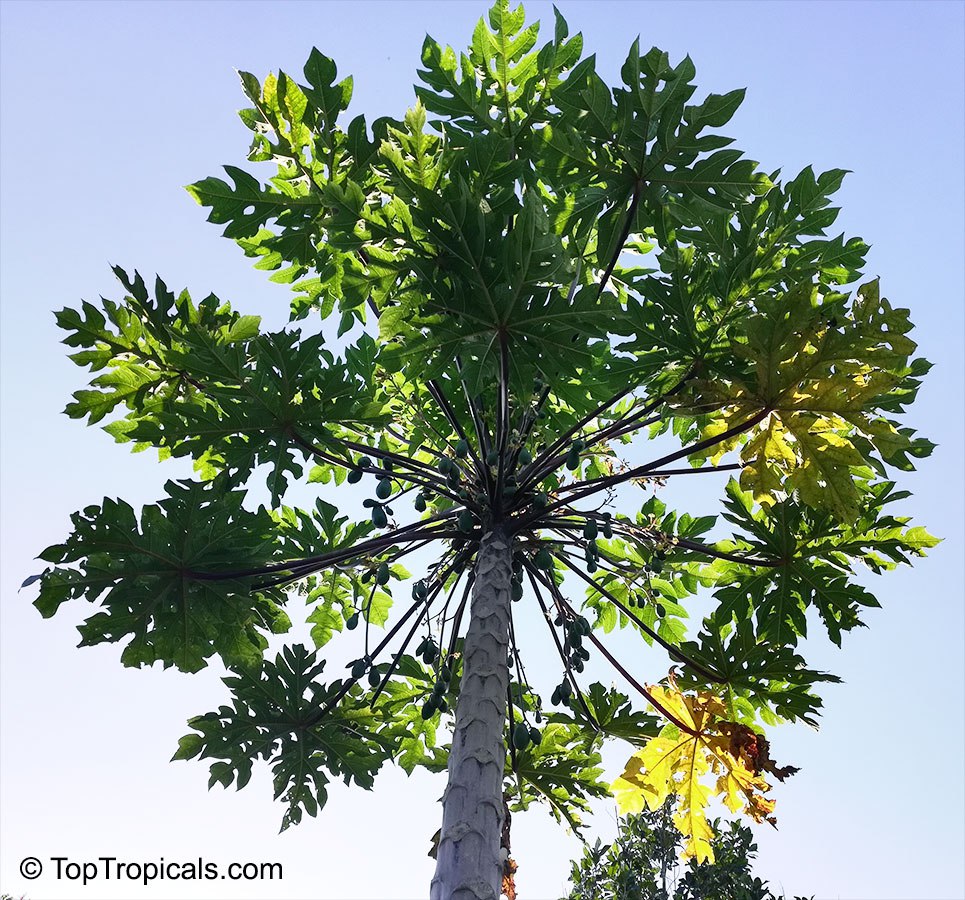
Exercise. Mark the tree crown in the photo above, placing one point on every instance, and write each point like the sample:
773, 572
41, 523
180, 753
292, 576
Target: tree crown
528, 271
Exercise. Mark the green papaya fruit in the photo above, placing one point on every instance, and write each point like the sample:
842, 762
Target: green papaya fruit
520, 736
383, 490
462, 448
354, 476
379, 518
351, 623
382, 576
573, 459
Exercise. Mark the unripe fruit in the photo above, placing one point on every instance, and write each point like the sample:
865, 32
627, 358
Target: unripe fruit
520, 736
573, 459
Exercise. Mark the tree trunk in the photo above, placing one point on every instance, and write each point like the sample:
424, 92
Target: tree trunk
469, 864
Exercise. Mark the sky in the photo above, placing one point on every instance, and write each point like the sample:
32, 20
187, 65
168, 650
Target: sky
109, 109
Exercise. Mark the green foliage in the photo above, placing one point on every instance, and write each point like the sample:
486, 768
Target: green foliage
815, 557
200, 381
643, 864
150, 576
274, 716
526, 271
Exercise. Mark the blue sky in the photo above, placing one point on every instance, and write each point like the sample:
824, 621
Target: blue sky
108, 109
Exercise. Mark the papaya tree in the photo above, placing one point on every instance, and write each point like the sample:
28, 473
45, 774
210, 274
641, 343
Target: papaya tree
516, 313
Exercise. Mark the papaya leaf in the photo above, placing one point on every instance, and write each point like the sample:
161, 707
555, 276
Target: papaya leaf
702, 744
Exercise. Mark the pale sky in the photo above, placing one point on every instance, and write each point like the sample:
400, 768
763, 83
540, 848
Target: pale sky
108, 109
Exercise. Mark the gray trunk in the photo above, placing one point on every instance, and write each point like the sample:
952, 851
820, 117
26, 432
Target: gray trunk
469, 864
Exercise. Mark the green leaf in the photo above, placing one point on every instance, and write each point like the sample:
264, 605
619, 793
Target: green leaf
148, 576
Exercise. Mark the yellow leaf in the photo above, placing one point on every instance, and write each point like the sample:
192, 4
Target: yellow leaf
820, 387
699, 742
